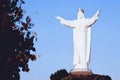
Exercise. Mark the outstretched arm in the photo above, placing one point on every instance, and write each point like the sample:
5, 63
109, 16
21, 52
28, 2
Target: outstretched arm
93, 19
67, 23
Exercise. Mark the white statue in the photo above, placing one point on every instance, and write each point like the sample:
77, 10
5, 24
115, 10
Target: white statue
82, 38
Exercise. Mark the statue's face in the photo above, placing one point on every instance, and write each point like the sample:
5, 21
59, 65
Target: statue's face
80, 14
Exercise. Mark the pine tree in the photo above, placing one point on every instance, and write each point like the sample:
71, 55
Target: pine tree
16, 40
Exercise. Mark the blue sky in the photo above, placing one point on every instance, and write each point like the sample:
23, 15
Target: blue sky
55, 43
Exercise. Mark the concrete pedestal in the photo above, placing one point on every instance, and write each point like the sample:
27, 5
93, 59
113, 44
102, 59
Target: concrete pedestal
82, 73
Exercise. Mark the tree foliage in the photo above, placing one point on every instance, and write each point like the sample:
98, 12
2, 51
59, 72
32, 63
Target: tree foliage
59, 75
16, 40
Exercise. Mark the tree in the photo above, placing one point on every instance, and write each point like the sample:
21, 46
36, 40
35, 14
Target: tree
59, 75
16, 40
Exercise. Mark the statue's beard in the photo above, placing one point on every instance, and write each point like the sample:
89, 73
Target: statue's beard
80, 17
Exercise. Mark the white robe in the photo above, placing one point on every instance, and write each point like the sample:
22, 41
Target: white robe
82, 41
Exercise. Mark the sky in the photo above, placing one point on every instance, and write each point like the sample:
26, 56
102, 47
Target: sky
55, 41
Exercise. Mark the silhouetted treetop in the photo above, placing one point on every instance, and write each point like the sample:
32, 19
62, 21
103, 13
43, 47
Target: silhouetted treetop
16, 40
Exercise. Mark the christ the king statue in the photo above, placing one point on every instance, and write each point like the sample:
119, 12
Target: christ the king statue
81, 38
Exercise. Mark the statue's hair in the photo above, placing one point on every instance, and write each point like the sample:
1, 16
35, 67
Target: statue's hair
81, 10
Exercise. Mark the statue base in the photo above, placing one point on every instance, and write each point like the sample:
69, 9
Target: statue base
80, 70
78, 75
82, 73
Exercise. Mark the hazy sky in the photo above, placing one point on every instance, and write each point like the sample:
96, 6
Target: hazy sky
55, 41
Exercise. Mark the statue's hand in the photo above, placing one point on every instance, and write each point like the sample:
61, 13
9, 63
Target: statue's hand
59, 18
98, 12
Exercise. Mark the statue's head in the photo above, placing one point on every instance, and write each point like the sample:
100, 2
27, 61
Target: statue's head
80, 13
